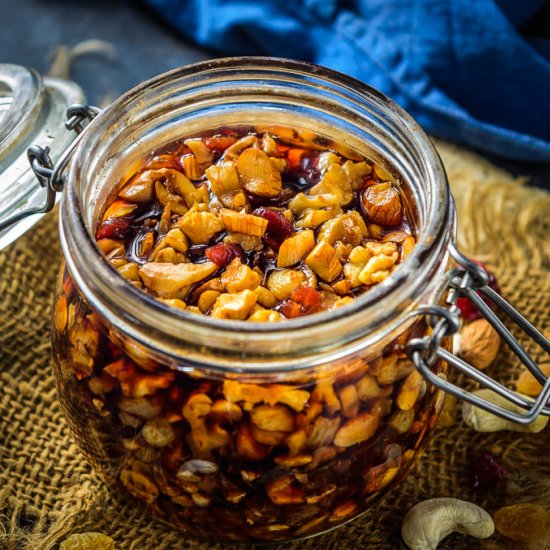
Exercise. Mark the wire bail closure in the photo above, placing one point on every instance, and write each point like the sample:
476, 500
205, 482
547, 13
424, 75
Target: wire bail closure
467, 280
50, 175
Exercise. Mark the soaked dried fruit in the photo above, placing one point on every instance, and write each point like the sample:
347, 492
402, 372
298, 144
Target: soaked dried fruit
88, 541
525, 523
467, 309
192, 211
485, 472
528, 384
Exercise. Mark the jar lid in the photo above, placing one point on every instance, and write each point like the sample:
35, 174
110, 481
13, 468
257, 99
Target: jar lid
32, 112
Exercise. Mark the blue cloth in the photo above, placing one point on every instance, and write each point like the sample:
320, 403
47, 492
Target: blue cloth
467, 70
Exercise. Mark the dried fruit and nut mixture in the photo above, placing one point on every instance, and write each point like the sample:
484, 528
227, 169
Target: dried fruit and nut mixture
247, 457
256, 225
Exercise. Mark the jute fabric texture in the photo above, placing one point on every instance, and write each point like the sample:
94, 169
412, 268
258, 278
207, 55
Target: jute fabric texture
48, 491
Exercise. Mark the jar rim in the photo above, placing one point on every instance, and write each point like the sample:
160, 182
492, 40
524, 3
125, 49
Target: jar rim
154, 324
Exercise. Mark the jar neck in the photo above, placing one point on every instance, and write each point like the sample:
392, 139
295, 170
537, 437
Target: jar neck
254, 91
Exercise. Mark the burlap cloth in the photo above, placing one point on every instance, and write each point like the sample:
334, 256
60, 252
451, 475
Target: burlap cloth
48, 491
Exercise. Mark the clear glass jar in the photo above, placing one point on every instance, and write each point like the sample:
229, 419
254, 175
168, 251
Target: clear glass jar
235, 430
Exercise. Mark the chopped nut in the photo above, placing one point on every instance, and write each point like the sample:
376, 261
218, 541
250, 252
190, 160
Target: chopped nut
224, 183
335, 183
324, 261
227, 410
324, 393
200, 150
266, 298
294, 249
402, 421
119, 209
138, 384
234, 306
272, 418
271, 394
158, 432
257, 173
207, 300
479, 343
191, 167
356, 430
281, 491
244, 223
233, 151
248, 447
143, 407
203, 438
382, 204
348, 228
343, 511
312, 218
283, 283
139, 485
410, 391
200, 226
357, 172
179, 184
350, 400
323, 432
238, 277
176, 239
324, 160
267, 437
169, 279
265, 316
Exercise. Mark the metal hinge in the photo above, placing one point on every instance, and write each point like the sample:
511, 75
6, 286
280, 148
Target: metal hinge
51, 176
470, 279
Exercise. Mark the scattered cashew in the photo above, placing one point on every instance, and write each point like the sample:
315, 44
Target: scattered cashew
484, 421
429, 522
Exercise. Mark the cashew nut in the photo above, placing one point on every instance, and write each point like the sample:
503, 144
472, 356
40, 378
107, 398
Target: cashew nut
484, 421
429, 522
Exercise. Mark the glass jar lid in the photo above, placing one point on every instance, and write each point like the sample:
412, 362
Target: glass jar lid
32, 111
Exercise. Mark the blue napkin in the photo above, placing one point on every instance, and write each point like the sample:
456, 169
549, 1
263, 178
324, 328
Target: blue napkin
473, 71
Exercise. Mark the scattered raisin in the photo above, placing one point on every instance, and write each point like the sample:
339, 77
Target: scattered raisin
525, 523
485, 473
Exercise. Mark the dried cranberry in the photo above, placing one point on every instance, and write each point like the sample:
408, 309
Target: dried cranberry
485, 473
308, 297
114, 228
290, 309
222, 253
467, 308
278, 227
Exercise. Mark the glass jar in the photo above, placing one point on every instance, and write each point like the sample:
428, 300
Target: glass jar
236, 430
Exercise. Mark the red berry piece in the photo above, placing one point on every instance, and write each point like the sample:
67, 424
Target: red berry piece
278, 227
308, 297
467, 309
114, 228
222, 253
485, 473
290, 309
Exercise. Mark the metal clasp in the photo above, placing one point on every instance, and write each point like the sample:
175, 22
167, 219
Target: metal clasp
469, 279
51, 176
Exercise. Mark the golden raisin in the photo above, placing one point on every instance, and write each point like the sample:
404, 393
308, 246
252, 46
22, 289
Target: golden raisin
88, 541
523, 523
